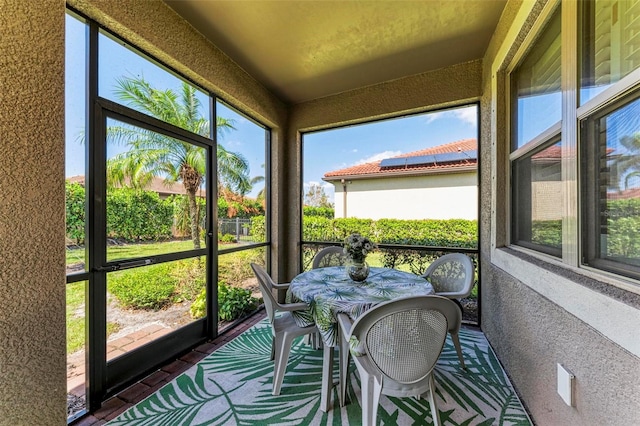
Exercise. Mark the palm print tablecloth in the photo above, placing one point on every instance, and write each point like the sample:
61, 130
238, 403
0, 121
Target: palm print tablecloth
329, 291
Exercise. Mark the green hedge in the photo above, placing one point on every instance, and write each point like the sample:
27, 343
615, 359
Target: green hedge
326, 212
137, 215
75, 196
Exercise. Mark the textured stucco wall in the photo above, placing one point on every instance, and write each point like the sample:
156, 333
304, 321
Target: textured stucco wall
455, 85
530, 332
32, 251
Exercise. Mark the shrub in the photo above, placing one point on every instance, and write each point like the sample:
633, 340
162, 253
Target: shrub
428, 232
326, 212
241, 207
137, 215
150, 288
227, 238
258, 229
190, 275
198, 308
233, 302
74, 207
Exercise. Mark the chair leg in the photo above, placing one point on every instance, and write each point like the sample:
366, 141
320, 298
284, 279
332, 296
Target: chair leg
456, 343
273, 348
435, 415
283, 347
344, 368
371, 388
327, 377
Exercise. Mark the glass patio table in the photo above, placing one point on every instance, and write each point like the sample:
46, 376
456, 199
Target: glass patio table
328, 292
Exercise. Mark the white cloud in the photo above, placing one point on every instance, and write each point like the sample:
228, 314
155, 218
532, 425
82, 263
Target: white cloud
377, 157
467, 115
323, 184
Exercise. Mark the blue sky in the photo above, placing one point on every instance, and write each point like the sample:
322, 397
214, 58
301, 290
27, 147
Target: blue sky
322, 151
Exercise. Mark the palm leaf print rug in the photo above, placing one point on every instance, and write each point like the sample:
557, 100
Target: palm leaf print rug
232, 386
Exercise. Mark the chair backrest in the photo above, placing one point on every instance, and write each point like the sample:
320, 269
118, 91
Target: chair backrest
329, 256
266, 288
452, 275
403, 338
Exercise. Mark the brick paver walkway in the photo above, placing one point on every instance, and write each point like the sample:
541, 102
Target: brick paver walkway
116, 405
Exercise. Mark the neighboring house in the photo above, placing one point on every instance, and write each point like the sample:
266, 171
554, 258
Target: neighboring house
440, 182
164, 189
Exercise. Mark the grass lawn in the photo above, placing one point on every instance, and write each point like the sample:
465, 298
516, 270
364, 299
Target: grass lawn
75, 311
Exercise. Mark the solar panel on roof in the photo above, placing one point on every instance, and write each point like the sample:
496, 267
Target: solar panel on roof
447, 157
421, 159
393, 162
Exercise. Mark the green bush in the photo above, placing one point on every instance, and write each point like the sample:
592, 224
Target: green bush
74, 206
430, 232
326, 212
149, 288
198, 308
137, 215
258, 229
226, 238
233, 302
547, 232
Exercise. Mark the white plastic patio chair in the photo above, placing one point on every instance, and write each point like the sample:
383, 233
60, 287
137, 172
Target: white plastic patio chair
395, 346
452, 276
329, 256
283, 327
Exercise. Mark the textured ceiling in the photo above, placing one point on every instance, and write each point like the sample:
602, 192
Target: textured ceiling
303, 50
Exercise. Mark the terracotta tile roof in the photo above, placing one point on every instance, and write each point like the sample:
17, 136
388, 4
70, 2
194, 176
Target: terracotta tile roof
624, 195
374, 168
156, 185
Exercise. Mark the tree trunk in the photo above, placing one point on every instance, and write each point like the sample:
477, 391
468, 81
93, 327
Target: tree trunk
193, 214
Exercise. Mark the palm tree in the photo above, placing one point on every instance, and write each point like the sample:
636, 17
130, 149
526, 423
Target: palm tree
152, 154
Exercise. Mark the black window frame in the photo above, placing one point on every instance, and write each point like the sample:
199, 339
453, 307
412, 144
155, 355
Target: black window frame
590, 189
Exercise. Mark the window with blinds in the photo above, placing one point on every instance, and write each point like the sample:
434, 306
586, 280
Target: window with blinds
610, 44
611, 187
536, 181
537, 87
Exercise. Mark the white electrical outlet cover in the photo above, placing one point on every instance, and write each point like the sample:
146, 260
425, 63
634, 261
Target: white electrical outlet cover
565, 385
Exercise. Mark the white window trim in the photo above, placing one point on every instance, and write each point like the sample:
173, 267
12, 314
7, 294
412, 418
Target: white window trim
600, 311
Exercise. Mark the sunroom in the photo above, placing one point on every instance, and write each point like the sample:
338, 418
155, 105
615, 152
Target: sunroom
556, 86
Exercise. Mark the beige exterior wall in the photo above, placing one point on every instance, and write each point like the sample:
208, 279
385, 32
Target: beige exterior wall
443, 196
32, 228
537, 312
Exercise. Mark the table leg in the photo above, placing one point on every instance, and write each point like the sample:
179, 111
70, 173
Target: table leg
327, 377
